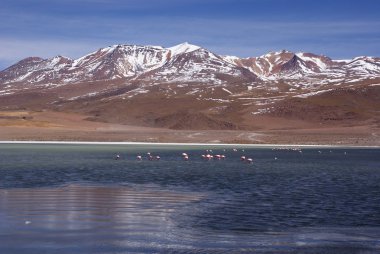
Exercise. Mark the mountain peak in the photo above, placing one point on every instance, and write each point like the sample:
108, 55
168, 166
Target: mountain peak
61, 58
183, 48
277, 53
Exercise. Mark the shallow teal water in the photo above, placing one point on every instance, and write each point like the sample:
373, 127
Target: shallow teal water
78, 199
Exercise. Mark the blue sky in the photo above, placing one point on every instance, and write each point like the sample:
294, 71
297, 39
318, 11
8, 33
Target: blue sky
45, 28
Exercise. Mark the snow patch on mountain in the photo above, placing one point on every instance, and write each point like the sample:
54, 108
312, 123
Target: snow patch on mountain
183, 48
321, 65
305, 95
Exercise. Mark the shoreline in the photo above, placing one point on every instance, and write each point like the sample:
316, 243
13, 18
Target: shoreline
187, 144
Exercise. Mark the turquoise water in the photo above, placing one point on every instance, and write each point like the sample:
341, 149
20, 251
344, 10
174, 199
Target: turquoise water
78, 199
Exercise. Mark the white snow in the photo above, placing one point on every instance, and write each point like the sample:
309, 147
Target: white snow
261, 72
194, 91
354, 80
84, 96
231, 59
364, 67
217, 100
270, 65
262, 111
267, 55
305, 95
183, 48
316, 60
343, 60
6, 92
137, 91
226, 90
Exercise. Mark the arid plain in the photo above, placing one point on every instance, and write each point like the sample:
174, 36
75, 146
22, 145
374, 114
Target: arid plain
56, 126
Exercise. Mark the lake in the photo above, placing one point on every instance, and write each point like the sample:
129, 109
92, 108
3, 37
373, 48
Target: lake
75, 198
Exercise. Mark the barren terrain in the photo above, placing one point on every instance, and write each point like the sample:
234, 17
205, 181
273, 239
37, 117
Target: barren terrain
58, 126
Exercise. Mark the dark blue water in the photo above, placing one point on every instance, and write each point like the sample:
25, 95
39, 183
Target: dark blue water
78, 199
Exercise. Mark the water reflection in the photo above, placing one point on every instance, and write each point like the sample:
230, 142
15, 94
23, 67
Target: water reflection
77, 207
112, 219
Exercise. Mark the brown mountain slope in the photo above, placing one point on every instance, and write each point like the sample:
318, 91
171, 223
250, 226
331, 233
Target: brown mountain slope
343, 106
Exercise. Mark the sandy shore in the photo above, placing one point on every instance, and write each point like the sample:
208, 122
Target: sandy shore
150, 144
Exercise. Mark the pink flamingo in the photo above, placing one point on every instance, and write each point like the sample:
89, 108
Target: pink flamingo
217, 156
185, 156
249, 160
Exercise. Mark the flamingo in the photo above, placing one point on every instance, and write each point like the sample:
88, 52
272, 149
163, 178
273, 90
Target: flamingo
185, 156
207, 156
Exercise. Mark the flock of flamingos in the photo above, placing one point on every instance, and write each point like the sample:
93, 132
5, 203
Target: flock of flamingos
207, 156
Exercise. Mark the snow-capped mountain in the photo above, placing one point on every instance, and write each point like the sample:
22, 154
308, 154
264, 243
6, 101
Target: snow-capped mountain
187, 86
195, 64
114, 62
184, 63
288, 65
36, 70
118, 61
363, 65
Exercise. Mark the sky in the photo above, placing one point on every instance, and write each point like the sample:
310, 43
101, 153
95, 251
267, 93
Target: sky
340, 29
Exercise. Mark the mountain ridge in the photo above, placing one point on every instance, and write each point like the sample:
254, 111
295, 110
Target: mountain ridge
126, 61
